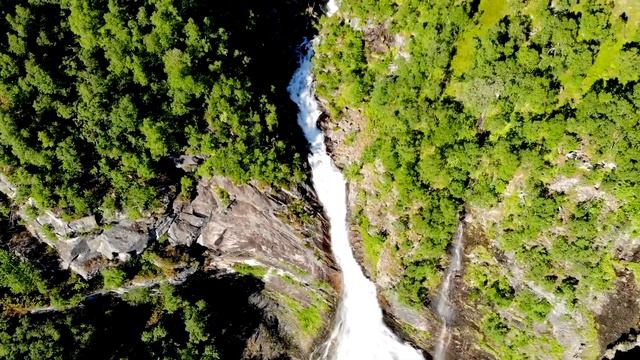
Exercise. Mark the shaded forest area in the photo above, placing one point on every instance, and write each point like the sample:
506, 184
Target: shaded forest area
98, 97
48, 313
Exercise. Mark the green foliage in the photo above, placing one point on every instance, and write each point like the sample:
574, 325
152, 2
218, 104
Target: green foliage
171, 302
488, 105
19, 276
372, 244
187, 187
250, 270
137, 296
49, 233
297, 210
95, 98
223, 197
28, 342
514, 343
309, 317
534, 307
310, 320
111, 326
113, 277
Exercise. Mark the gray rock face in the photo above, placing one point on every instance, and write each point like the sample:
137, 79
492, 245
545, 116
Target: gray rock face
83, 246
188, 162
245, 229
121, 239
85, 251
77, 255
86, 224
186, 224
255, 225
252, 227
7, 187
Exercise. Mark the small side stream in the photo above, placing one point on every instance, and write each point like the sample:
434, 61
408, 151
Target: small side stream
444, 308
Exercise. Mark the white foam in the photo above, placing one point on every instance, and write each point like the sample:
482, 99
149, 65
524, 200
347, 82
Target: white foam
332, 7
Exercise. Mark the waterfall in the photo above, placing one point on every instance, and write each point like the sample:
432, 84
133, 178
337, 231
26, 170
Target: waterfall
444, 308
359, 331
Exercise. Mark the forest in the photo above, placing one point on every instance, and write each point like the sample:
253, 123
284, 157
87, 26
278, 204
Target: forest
99, 101
98, 98
523, 114
131, 311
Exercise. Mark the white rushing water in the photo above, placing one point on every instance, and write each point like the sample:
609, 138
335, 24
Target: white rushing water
332, 7
444, 308
359, 332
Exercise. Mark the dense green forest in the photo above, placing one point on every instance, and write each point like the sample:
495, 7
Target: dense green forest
98, 100
523, 114
98, 97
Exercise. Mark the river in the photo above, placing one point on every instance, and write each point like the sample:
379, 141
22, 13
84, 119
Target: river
359, 331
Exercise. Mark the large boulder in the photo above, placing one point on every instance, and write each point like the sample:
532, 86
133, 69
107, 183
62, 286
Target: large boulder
121, 240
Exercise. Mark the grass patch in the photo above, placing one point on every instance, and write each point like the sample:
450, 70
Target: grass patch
417, 334
49, 233
289, 280
309, 317
371, 244
249, 270
491, 12
113, 278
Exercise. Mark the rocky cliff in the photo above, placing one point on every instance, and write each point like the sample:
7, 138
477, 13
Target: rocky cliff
278, 236
614, 312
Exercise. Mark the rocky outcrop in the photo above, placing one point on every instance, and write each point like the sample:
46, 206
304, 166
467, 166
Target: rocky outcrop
626, 347
278, 236
86, 247
83, 245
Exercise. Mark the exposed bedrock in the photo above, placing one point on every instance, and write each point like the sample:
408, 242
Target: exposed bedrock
278, 236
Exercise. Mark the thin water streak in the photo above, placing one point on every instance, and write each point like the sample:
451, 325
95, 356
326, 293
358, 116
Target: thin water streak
444, 308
